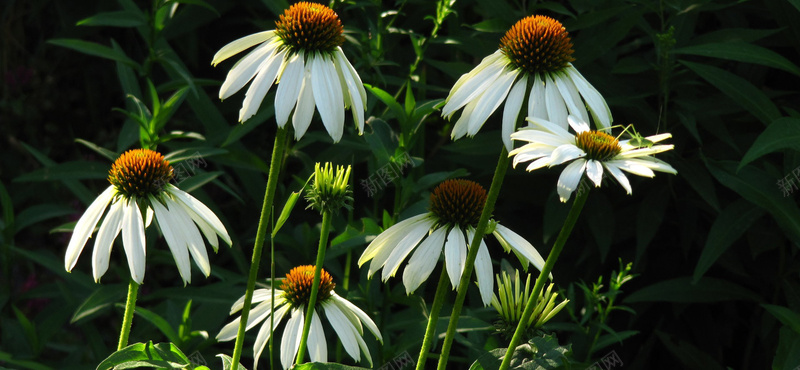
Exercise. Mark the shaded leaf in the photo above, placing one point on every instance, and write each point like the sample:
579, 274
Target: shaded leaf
115, 19
95, 49
785, 315
783, 133
100, 299
742, 52
162, 355
729, 226
683, 290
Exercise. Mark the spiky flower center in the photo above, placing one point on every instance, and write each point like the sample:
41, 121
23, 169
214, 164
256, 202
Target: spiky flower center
598, 145
538, 44
139, 173
297, 285
458, 202
310, 27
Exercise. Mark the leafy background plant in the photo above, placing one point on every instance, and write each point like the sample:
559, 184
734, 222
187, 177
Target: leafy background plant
714, 248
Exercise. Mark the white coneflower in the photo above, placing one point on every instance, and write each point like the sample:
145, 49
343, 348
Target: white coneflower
303, 55
591, 151
140, 182
536, 55
455, 208
345, 318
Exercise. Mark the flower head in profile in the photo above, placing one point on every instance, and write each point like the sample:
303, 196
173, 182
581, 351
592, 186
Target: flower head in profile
455, 207
291, 300
140, 182
511, 299
535, 55
589, 152
303, 55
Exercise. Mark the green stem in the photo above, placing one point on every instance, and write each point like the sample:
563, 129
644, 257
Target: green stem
433, 319
312, 300
127, 318
566, 230
261, 234
272, 296
480, 230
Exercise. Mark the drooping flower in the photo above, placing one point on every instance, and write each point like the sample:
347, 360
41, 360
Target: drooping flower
292, 298
455, 207
140, 182
590, 152
536, 55
303, 55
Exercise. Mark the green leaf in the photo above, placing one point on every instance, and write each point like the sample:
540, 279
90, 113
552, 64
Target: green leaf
197, 153
158, 321
111, 156
195, 2
649, 218
785, 315
742, 52
8, 359
327, 366
100, 299
8, 212
761, 189
194, 182
616, 338
28, 328
120, 18
95, 49
729, 226
162, 355
227, 363
738, 89
75, 170
390, 101
692, 357
783, 133
541, 353
39, 213
73, 185
787, 356
684, 291
287, 210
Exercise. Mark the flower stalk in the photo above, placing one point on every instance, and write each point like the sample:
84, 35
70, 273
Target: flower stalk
312, 300
433, 318
127, 318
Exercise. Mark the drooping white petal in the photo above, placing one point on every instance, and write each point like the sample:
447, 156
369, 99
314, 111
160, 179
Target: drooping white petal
196, 207
483, 270
85, 226
403, 249
597, 105
258, 314
455, 255
462, 124
474, 83
594, 171
267, 72
490, 100
317, 346
556, 109
621, 178
519, 245
511, 110
424, 260
192, 236
239, 45
291, 337
359, 313
393, 232
173, 233
264, 333
259, 295
109, 230
569, 179
343, 328
355, 88
578, 125
289, 88
537, 107
304, 111
571, 96
327, 94
246, 69
133, 240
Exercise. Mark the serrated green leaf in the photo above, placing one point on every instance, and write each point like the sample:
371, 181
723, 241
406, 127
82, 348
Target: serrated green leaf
738, 89
728, 227
95, 49
783, 133
120, 18
741, 52
684, 291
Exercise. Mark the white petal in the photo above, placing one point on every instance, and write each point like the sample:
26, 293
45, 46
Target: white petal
133, 240
565, 153
490, 100
172, 230
262, 338
246, 69
462, 125
259, 295
511, 110
594, 171
196, 207
556, 109
239, 45
424, 260
355, 88
317, 346
474, 83
192, 236
536, 100
109, 230
571, 96
343, 328
403, 249
634, 166
569, 179
267, 72
593, 98
328, 95
455, 255
291, 337
389, 233
520, 246
621, 178
304, 111
578, 125
85, 226
483, 269
289, 88
359, 313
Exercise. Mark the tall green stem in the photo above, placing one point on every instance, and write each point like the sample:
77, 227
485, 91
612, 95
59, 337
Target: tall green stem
433, 319
127, 318
269, 195
466, 275
312, 300
566, 230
